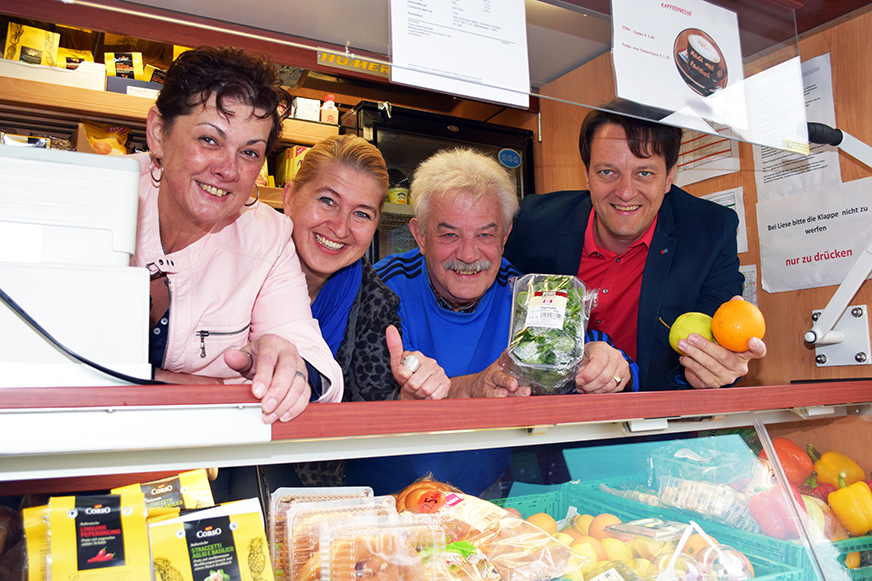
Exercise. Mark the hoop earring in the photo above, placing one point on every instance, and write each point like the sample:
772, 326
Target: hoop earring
156, 162
256, 197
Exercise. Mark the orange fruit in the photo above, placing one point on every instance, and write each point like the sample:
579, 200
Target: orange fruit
599, 524
735, 322
696, 543
544, 521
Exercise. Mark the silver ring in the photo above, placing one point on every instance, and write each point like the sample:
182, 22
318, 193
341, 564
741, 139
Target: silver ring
411, 362
302, 375
617, 379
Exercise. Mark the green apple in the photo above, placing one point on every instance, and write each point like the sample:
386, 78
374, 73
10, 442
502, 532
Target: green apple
688, 323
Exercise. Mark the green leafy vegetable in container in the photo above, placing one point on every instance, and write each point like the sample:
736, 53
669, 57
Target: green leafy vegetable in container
549, 318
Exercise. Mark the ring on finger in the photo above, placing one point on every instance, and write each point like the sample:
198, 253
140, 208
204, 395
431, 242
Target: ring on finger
617, 379
411, 362
301, 375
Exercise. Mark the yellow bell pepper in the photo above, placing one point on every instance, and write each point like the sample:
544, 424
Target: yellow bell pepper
832, 463
853, 506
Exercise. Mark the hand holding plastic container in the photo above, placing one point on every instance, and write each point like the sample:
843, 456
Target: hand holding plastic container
549, 321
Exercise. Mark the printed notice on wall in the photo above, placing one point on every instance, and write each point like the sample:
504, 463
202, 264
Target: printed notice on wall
735, 200
781, 173
675, 56
476, 49
813, 240
703, 156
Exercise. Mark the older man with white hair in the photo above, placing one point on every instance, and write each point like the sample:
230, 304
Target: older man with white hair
455, 305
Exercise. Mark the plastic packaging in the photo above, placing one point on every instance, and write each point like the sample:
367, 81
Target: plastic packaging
406, 547
549, 321
329, 113
283, 499
714, 501
304, 518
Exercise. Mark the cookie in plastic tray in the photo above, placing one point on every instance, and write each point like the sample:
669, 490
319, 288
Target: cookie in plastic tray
284, 498
302, 521
716, 501
404, 548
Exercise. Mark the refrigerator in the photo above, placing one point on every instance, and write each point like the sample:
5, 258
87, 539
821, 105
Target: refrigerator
406, 137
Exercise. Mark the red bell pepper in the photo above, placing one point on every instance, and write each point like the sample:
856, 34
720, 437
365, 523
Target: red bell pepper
794, 460
821, 490
771, 511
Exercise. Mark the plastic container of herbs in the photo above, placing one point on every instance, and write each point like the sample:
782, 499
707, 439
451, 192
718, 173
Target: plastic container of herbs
549, 320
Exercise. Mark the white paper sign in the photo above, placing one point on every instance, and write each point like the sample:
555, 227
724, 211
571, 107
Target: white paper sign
703, 156
674, 57
812, 240
781, 173
734, 199
476, 49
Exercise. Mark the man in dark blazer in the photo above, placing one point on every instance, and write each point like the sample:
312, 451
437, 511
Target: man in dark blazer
653, 250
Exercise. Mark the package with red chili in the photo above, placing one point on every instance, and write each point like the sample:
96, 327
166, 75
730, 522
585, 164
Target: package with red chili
400, 548
98, 537
188, 490
299, 558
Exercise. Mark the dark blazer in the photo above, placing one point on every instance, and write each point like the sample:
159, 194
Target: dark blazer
692, 264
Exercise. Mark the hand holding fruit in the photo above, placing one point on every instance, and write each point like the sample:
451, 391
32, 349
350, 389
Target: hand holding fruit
711, 364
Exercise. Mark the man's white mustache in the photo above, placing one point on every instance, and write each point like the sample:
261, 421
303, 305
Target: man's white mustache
466, 267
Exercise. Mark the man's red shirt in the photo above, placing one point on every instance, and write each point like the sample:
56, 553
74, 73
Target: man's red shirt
619, 280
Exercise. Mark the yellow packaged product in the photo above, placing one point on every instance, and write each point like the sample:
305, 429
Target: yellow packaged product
154, 74
263, 176
25, 140
288, 162
31, 45
101, 537
188, 490
106, 139
124, 64
70, 59
35, 520
177, 50
213, 544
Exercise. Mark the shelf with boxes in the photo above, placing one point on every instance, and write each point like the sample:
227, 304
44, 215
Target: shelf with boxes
41, 106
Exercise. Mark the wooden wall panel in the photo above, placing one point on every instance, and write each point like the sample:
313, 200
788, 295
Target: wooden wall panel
788, 314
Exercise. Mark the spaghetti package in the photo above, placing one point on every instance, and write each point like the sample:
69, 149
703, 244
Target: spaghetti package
31, 45
35, 520
214, 544
188, 490
98, 537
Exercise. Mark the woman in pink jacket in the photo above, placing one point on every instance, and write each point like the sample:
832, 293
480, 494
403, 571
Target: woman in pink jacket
228, 298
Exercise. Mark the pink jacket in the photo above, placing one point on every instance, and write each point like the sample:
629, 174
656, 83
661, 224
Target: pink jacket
234, 285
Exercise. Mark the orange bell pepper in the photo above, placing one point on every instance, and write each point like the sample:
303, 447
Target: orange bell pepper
831, 464
853, 506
